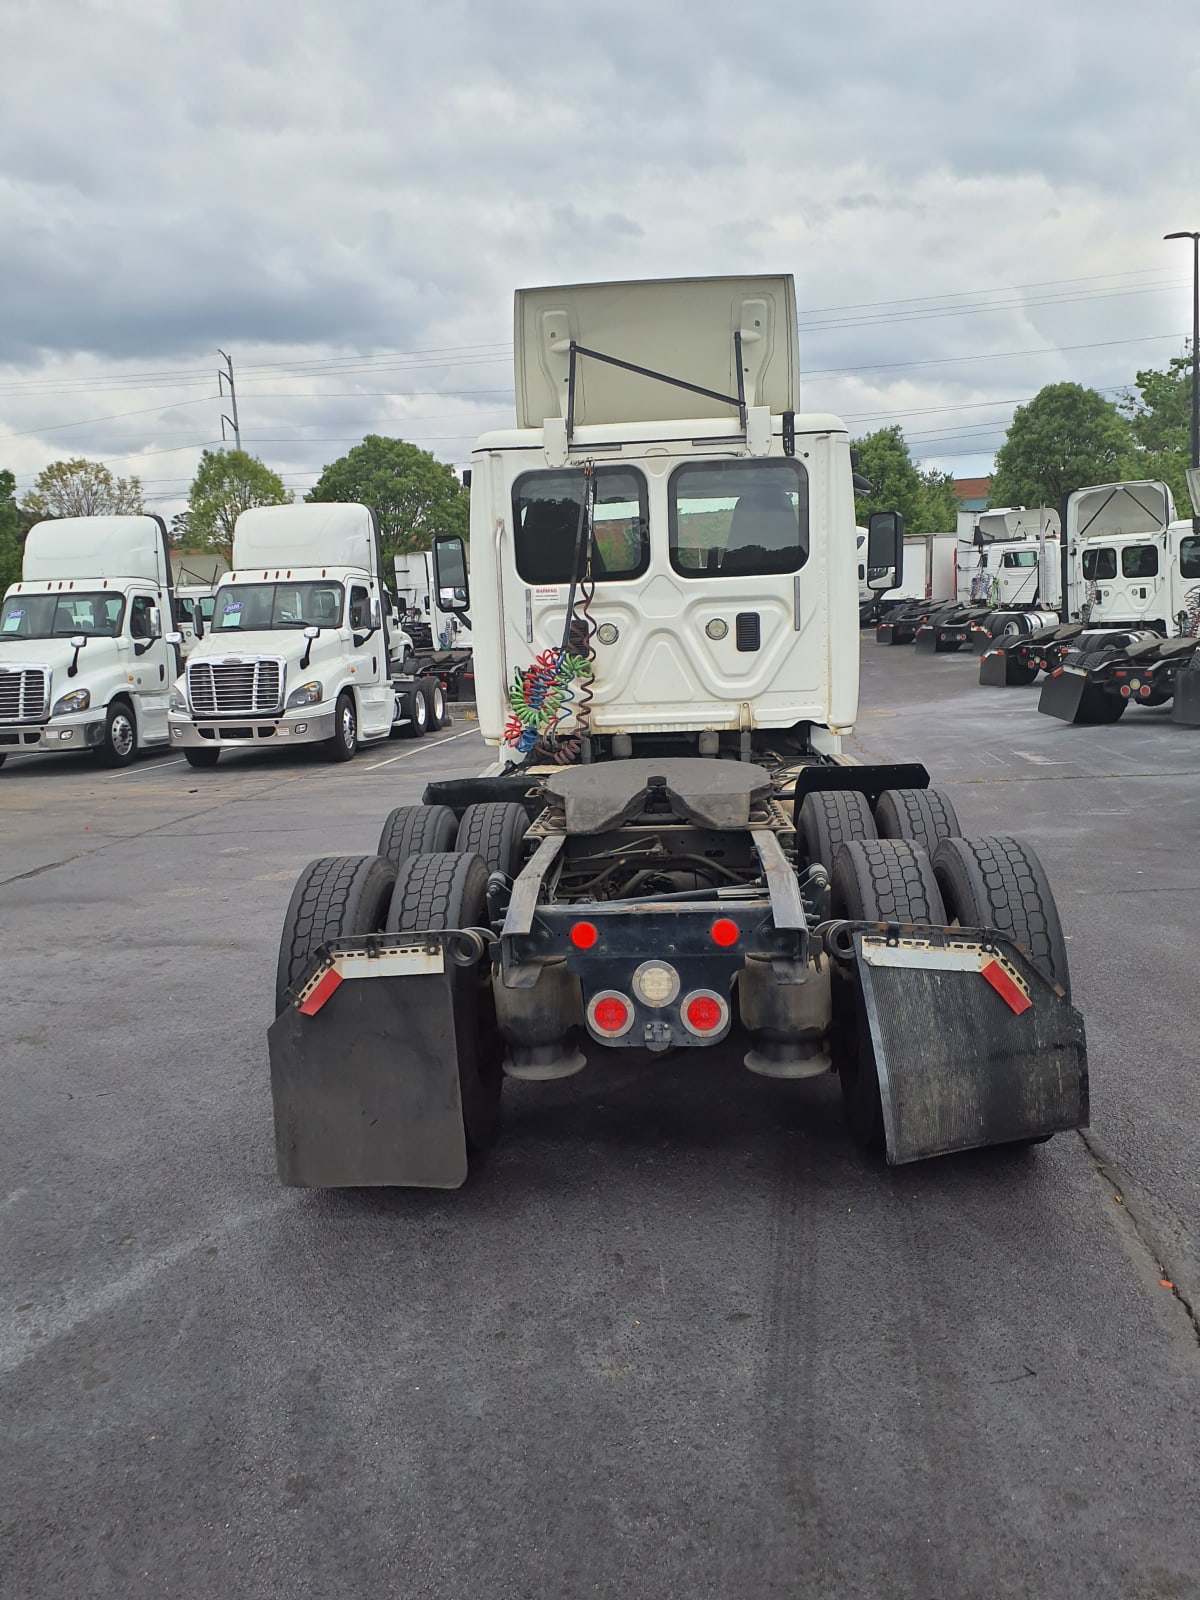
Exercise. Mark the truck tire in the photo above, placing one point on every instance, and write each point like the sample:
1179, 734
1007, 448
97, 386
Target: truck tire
434, 892
202, 758
922, 816
344, 744
417, 831
438, 715
418, 722
874, 880
828, 819
334, 897
120, 742
496, 831
1000, 883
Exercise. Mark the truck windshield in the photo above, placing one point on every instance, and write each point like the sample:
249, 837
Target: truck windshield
738, 518
253, 607
546, 517
59, 616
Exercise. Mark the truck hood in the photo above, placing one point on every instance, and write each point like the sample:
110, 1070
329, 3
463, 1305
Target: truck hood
57, 655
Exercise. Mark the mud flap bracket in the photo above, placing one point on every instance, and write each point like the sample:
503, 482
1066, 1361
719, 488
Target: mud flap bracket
365, 1084
973, 1045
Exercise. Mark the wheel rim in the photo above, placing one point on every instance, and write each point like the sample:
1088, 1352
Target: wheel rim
439, 704
420, 710
348, 725
122, 734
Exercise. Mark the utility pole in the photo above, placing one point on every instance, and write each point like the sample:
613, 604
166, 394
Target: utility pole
1195, 238
225, 376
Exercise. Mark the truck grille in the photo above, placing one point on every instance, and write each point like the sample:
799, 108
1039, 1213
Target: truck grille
235, 688
24, 694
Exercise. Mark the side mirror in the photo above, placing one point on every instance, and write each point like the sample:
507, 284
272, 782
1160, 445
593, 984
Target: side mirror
312, 633
466, 478
1193, 483
197, 621
77, 641
155, 621
885, 551
174, 638
450, 574
376, 612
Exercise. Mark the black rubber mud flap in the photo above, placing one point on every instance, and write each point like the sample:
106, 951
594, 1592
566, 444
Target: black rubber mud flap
926, 642
367, 1090
966, 1059
1071, 696
993, 668
893, 633
1186, 709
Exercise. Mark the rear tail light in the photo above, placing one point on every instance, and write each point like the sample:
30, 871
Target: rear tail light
1125, 690
609, 1014
584, 935
704, 1012
725, 932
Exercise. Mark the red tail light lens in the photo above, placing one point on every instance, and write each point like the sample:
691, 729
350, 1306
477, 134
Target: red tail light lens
584, 935
610, 1014
704, 1012
725, 932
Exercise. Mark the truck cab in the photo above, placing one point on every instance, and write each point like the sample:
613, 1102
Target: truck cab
1011, 561
300, 647
1131, 563
85, 661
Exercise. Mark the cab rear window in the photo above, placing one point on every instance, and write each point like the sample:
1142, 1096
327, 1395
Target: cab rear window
546, 521
1139, 561
1189, 557
1099, 564
738, 518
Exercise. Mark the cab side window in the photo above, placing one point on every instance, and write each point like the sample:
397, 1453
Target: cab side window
139, 617
360, 608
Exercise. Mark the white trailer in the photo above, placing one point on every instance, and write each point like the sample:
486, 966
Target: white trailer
84, 659
300, 648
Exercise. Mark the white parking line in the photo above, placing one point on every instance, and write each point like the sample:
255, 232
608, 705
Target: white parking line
418, 748
150, 768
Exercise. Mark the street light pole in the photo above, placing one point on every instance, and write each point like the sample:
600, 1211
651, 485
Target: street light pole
1195, 238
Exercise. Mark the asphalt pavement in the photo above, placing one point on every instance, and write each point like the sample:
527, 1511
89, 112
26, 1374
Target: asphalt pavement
678, 1338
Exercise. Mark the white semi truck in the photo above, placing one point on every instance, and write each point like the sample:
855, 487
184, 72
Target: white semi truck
672, 849
1009, 559
85, 662
300, 650
1131, 563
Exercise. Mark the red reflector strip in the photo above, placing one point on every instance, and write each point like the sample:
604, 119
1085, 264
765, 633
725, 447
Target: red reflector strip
321, 993
1006, 988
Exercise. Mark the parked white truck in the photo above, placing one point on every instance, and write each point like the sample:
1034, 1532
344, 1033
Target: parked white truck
300, 649
672, 850
1009, 559
1131, 563
85, 663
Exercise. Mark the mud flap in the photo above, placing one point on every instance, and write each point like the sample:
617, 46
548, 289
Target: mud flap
893, 633
926, 643
1071, 696
366, 1087
973, 1046
1186, 709
993, 668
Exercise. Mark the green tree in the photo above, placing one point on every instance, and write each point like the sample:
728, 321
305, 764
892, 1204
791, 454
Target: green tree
1160, 419
10, 532
896, 485
414, 496
228, 482
940, 507
81, 488
1066, 437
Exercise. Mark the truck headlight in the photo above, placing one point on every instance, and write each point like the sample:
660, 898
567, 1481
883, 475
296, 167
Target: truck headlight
178, 702
308, 694
74, 700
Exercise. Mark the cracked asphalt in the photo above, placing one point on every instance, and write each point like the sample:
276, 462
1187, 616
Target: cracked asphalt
679, 1338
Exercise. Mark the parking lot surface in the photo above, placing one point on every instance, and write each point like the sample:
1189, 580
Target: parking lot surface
678, 1337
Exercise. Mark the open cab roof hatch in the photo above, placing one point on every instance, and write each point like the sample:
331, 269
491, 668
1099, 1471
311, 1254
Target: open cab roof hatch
621, 352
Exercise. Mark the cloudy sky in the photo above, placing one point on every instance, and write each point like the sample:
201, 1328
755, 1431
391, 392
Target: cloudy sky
343, 194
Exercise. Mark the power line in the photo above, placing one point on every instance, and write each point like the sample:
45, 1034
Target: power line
994, 355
